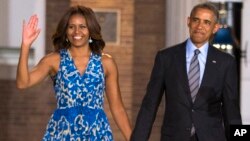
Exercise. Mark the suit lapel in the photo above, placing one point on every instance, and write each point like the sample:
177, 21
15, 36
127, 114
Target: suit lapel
210, 69
180, 61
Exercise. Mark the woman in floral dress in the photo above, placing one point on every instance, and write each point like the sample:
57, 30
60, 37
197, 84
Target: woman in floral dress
81, 73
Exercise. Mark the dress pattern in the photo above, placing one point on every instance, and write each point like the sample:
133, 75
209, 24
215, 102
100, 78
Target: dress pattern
79, 115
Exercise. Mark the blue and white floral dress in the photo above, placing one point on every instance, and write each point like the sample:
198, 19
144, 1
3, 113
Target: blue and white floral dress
79, 115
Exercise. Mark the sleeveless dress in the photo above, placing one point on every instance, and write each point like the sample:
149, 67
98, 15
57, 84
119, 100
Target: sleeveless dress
79, 115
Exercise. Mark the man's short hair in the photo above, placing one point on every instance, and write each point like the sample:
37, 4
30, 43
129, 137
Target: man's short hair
209, 6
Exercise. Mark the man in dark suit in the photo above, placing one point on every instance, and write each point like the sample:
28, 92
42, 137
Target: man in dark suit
199, 83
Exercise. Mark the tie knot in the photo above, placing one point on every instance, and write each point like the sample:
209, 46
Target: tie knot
196, 52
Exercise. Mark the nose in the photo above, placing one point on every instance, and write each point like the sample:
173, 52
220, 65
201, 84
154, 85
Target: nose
200, 25
77, 29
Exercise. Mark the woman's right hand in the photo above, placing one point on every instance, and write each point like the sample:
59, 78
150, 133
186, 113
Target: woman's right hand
30, 31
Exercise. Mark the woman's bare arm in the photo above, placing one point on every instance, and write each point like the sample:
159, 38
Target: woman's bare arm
114, 97
26, 78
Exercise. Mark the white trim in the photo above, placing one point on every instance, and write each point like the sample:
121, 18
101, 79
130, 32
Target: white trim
225, 0
245, 63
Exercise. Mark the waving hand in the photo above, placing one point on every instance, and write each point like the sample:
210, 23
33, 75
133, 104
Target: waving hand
30, 31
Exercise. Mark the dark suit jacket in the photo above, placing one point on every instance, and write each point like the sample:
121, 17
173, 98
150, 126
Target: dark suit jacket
216, 105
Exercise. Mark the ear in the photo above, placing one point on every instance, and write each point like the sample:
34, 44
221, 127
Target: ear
216, 28
188, 21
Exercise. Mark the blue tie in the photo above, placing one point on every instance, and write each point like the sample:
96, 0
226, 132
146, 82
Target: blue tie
194, 79
194, 75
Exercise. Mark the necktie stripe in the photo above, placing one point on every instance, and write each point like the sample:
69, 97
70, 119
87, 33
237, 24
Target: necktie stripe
193, 78
194, 82
192, 74
195, 87
194, 65
193, 59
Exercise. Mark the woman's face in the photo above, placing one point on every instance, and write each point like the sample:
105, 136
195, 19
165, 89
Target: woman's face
77, 31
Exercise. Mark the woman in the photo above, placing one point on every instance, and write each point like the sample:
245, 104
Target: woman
81, 74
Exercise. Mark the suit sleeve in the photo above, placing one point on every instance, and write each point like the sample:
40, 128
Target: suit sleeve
150, 103
231, 109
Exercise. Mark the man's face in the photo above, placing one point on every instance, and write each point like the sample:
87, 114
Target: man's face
202, 25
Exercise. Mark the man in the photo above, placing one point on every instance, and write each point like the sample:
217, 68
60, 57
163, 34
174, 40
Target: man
199, 83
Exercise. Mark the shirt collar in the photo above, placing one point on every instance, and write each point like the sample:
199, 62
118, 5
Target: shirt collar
190, 47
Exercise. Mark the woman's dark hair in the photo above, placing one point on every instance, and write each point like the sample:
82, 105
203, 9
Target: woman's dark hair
60, 36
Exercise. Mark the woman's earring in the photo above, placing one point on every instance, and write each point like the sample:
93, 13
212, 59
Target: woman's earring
67, 40
90, 40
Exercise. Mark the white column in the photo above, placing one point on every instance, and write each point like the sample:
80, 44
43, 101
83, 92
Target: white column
4, 22
245, 63
12, 14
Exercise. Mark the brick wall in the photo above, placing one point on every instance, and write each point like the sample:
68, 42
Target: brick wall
54, 12
24, 114
149, 38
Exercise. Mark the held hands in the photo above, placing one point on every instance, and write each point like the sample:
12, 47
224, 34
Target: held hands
30, 31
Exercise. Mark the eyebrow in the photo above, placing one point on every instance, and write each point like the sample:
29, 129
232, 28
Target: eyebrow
196, 18
77, 24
